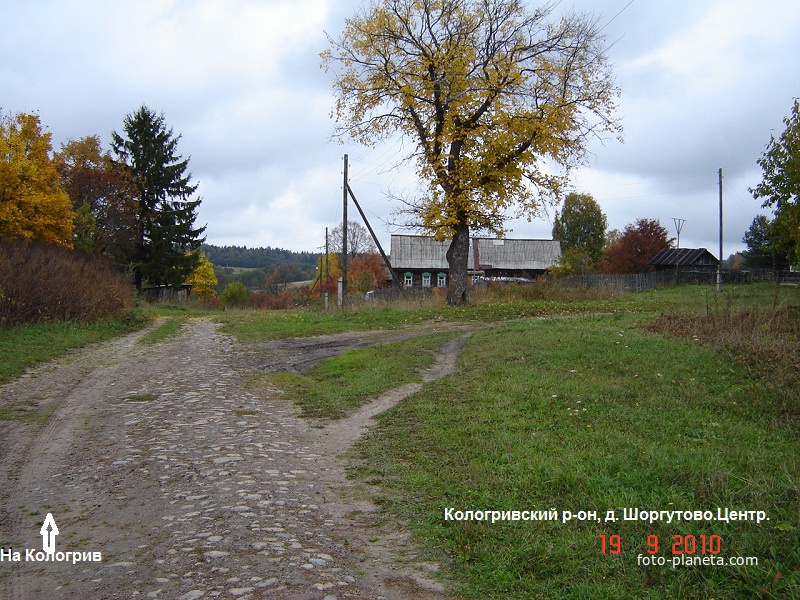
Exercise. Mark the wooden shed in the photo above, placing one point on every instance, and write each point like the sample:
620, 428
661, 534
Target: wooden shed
697, 259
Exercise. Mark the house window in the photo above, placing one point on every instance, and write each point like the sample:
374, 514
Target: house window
408, 279
441, 280
426, 280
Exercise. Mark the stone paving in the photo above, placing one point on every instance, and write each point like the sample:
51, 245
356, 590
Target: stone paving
194, 482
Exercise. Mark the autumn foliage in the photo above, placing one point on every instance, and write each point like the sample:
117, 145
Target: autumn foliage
33, 203
631, 251
101, 192
491, 92
366, 273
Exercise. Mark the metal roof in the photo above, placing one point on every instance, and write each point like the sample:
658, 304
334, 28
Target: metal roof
673, 257
421, 252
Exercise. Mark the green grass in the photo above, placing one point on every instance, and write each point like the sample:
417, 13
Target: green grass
343, 383
593, 414
143, 397
251, 325
169, 327
502, 304
587, 410
20, 411
28, 345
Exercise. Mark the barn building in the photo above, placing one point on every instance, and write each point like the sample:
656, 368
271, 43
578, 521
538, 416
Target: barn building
686, 259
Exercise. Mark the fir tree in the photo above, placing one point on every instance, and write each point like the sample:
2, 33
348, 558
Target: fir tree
166, 235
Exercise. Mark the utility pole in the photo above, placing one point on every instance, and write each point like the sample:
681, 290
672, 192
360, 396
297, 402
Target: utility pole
327, 268
678, 226
395, 281
344, 234
719, 267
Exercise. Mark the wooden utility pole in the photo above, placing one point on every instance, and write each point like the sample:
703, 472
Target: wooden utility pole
327, 268
678, 226
344, 234
719, 268
395, 281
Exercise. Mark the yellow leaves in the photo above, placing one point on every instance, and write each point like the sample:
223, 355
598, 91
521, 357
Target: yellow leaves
203, 279
33, 204
488, 91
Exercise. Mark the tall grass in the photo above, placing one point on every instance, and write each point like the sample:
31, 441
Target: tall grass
48, 283
761, 331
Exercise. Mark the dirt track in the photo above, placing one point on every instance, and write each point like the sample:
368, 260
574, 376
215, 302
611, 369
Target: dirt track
191, 481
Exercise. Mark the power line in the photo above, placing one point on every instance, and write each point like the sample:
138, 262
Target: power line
616, 15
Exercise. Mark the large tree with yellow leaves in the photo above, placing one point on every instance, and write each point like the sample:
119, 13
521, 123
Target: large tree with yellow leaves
33, 204
493, 95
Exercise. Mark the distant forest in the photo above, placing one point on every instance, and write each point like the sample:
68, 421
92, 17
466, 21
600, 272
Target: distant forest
257, 258
293, 266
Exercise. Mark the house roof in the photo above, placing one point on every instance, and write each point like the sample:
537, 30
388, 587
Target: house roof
695, 257
420, 252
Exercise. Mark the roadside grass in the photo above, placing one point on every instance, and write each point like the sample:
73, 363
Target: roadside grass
343, 383
20, 411
593, 414
169, 327
494, 304
254, 326
27, 345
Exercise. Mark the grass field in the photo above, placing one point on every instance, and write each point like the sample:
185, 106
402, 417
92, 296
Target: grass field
595, 414
597, 404
584, 405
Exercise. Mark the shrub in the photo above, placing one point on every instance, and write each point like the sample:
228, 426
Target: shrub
234, 295
263, 300
40, 282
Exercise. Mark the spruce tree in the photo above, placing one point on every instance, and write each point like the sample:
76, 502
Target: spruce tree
166, 236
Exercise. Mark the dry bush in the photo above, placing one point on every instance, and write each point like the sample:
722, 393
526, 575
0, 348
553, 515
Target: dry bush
266, 301
48, 283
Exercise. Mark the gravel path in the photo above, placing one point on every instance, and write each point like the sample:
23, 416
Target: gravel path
192, 481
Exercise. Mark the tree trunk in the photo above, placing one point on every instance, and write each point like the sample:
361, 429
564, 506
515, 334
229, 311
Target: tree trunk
457, 255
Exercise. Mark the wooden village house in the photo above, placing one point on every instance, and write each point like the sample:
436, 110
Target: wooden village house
685, 259
421, 261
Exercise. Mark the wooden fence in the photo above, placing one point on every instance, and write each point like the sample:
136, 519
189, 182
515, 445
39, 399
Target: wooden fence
640, 282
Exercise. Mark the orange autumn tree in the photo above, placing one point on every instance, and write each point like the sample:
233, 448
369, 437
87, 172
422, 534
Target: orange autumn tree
33, 203
366, 272
102, 196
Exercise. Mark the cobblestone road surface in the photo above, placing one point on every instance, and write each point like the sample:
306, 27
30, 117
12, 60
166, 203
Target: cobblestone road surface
192, 481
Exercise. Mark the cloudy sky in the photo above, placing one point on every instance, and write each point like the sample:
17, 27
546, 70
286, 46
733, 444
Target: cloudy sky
704, 85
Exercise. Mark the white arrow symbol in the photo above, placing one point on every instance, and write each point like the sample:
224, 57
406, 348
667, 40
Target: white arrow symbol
49, 531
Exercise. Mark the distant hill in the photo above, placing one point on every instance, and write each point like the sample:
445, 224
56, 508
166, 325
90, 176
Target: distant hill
262, 258
256, 258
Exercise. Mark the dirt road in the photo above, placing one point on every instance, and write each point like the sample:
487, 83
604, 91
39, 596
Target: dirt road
188, 481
